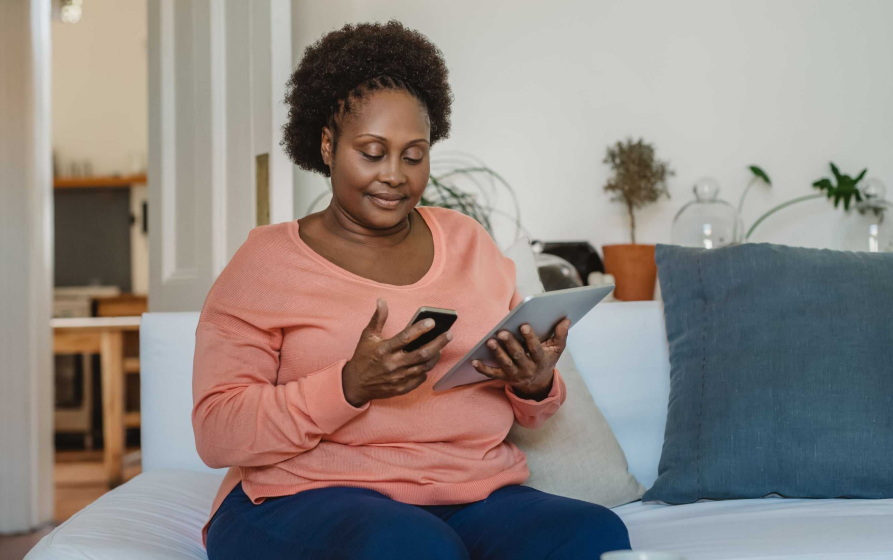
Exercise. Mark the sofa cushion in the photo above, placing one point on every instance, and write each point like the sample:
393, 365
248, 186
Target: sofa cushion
167, 348
764, 529
156, 516
621, 351
598, 472
781, 374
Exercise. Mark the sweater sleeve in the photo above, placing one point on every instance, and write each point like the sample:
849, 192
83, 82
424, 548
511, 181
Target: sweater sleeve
530, 413
533, 414
241, 417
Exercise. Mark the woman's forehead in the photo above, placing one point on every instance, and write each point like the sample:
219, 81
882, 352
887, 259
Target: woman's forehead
394, 115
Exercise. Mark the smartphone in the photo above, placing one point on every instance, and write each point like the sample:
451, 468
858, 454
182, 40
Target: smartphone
443, 320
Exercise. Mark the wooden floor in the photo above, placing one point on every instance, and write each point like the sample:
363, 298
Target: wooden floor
79, 482
15, 548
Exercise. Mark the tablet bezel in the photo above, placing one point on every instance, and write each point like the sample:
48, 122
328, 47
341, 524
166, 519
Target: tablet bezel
599, 292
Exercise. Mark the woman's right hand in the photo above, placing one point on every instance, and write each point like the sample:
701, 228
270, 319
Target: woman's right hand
380, 369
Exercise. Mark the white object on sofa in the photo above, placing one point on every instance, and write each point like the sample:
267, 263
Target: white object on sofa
621, 352
167, 348
599, 474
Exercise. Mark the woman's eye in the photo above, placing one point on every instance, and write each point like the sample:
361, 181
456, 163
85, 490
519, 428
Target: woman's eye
371, 157
413, 156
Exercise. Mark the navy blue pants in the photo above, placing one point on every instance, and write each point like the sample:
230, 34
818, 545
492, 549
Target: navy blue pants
515, 522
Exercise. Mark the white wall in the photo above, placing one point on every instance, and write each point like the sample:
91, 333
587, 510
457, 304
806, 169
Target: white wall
26, 273
99, 86
542, 88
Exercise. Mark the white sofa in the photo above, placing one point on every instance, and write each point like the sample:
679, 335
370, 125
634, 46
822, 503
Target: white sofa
620, 349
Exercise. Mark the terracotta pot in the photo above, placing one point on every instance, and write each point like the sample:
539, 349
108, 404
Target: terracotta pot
634, 271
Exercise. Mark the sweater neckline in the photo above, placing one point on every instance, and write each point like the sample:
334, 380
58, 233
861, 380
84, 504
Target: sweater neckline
433, 271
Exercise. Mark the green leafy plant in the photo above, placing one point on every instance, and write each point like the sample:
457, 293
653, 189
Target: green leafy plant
758, 176
846, 189
639, 179
462, 182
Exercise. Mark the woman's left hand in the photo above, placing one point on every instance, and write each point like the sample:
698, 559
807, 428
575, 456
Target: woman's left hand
528, 370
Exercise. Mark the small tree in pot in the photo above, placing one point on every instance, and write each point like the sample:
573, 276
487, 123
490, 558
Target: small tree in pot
639, 180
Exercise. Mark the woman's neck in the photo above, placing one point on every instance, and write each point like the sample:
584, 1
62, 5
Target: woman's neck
343, 226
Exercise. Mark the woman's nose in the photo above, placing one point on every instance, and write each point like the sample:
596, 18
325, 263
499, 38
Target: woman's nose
392, 172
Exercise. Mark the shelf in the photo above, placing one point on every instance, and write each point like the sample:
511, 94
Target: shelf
123, 305
99, 181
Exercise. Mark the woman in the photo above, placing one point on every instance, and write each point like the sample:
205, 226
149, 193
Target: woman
338, 446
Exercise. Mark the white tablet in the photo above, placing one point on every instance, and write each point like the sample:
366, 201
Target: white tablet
542, 311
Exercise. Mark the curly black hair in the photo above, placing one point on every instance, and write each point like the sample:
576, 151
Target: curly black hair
349, 63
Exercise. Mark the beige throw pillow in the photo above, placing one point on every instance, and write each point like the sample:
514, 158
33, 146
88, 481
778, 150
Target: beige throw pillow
574, 454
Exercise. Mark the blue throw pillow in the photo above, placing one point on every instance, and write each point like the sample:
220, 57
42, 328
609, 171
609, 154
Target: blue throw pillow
781, 375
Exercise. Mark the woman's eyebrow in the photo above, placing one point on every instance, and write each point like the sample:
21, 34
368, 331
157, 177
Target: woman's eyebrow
383, 139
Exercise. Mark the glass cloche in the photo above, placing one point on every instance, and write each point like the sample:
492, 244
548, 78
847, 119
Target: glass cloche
707, 221
556, 273
868, 228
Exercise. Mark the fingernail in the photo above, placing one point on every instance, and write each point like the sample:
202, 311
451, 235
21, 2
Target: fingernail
504, 335
491, 344
475, 363
525, 329
429, 322
449, 335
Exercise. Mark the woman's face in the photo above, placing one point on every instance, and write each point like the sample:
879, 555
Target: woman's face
382, 154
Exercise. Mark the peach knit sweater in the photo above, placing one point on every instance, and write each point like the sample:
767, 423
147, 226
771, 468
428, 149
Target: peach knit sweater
275, 331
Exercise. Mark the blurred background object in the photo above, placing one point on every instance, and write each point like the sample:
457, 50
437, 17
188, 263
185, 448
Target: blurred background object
581, 255
71, 11
707, 221
556, 273
869, 228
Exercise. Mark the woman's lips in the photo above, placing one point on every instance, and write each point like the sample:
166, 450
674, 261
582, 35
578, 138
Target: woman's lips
386, 204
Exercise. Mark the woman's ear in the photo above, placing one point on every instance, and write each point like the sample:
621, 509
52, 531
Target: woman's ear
327, 145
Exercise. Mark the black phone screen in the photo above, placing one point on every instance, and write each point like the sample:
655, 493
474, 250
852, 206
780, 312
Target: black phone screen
442, 323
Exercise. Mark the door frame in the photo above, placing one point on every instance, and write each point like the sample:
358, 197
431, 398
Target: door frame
217, 73
26, 251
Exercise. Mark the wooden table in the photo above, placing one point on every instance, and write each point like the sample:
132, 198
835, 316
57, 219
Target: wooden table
103, 336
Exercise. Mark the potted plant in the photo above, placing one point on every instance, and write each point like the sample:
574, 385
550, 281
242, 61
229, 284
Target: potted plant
639, 180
